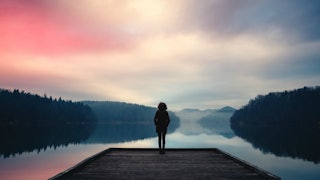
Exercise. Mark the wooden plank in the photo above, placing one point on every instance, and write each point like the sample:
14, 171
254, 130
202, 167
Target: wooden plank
126, 163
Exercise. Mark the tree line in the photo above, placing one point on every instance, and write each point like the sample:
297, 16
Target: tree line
18, 108
284, 123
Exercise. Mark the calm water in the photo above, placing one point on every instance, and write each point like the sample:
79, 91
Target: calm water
46, 163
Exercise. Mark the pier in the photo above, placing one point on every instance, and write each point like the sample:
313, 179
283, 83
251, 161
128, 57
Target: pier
142, 163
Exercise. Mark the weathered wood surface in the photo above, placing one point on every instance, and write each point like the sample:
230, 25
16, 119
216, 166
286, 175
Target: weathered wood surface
118, 163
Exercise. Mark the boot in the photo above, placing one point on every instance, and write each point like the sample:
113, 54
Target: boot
162, 150
159, 147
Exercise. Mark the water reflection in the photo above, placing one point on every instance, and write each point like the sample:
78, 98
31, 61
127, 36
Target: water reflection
290, 141
20, 139
192, 133
116, 133
36, 166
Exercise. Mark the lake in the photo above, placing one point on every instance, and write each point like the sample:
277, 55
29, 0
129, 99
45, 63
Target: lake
47, 162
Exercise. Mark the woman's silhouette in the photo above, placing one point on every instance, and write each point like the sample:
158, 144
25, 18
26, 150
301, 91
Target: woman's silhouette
161, 120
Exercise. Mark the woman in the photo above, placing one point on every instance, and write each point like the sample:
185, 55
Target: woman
161, 120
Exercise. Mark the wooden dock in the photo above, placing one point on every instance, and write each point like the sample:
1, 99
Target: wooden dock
124, 163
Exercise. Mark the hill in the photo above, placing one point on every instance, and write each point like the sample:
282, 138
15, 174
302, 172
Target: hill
119, 122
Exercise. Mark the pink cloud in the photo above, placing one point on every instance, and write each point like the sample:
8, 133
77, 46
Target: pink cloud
37, 29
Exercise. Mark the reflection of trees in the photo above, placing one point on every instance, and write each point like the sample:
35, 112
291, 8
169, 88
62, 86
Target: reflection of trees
286, 123
122, 132
30, 122
116, 133
20, 139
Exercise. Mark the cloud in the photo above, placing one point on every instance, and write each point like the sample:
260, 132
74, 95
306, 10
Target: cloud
296, 62
279, 20
188, 53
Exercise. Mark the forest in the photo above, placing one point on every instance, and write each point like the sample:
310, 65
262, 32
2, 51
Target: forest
25, 109
29, 122
284, 123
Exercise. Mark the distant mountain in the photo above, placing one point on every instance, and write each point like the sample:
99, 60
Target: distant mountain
227, 109
210, 121
190, 110
190, 118
219, 121
284, 123
224, 109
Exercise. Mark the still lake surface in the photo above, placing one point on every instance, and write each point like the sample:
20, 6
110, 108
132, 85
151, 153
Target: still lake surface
45, 163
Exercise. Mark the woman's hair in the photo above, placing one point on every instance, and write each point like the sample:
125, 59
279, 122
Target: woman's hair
162, 106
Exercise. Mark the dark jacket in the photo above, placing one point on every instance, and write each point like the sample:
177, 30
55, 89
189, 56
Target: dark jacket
161, 120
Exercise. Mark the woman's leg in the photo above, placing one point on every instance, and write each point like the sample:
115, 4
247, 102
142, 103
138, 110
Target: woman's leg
159, 140
163, 139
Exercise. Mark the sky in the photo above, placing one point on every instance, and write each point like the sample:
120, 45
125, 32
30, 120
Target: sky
201, 54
